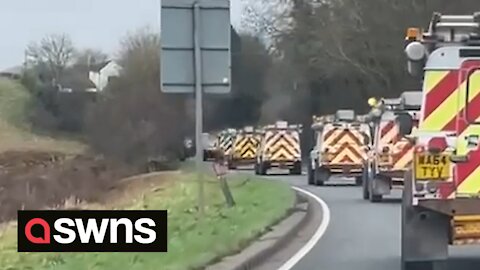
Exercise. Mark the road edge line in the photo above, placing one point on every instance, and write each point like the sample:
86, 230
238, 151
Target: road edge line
267, 244
322, 228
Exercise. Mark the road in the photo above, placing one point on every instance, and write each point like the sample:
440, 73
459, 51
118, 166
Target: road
362, 235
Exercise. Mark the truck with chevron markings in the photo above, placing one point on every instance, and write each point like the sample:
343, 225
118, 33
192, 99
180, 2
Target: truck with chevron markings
441, 197
244, 147
341, 147
391, 154
279, 147
225, 140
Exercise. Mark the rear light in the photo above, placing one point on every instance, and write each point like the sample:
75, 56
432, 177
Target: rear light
419, 187
437, 144
432, 187
427, 187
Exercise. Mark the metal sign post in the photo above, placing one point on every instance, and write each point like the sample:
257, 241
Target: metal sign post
196, 58
198, 108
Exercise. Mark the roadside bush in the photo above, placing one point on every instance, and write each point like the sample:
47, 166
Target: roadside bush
133, 121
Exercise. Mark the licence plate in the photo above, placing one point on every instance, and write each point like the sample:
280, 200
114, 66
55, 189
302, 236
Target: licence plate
432, 166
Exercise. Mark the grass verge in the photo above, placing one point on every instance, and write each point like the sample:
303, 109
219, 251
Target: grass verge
16, 133
192, 244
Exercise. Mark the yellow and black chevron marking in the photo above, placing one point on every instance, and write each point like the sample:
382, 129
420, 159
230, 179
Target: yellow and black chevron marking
246, 146
282, 145
345, 146
225, 142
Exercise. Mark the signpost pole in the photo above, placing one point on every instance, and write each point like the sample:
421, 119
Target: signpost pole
196, 59
198, 107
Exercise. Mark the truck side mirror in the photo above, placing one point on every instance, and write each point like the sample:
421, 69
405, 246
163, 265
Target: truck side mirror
404, 122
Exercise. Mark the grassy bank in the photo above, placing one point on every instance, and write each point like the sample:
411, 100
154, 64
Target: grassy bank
191, 243
15, 132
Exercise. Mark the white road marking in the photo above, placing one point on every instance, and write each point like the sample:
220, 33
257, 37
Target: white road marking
315, 238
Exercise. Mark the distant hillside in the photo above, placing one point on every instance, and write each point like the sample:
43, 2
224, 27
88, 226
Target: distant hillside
15, 131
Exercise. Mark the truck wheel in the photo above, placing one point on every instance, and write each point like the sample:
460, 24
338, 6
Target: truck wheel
358, 181
375, 198
310, 174
297, 169
231, 165
365, 183
263, 168
424, 234
256, 168
321, 176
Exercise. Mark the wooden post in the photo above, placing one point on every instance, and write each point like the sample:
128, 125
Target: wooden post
226, 191
220, 169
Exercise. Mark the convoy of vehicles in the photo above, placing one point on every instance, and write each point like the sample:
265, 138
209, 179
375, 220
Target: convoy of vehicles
272, 146
391, 154
425, 143
341, 147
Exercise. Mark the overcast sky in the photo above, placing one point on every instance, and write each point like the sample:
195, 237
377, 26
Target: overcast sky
90, 23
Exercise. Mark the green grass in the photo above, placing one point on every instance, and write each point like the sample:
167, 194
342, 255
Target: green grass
15, 131
192, 243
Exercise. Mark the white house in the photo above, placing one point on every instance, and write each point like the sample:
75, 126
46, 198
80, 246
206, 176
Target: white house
12, 73
101, 74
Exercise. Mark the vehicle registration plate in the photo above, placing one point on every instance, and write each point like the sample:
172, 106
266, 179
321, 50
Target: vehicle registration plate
432, 166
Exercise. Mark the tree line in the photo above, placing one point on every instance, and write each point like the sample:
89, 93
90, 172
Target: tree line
298, 58
336, 54
132, 120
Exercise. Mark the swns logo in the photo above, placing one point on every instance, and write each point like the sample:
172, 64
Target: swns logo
92, 231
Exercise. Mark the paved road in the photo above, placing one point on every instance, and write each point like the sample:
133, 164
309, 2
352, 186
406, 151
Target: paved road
362, 235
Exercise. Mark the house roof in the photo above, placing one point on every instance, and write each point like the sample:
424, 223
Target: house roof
100, 66
16, 70
76, 79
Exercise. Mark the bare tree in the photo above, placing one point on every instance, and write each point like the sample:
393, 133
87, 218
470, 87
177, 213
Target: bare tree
266, 18
88, 57
136, 49
53, 51
354, 47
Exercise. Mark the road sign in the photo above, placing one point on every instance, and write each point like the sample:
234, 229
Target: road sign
196, 58
178, 26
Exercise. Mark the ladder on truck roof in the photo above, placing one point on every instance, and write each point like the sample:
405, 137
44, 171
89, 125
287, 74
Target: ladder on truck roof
448, 29
443, 31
